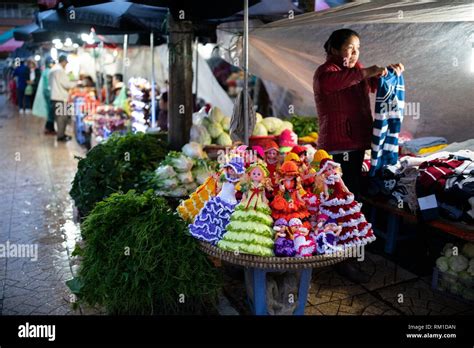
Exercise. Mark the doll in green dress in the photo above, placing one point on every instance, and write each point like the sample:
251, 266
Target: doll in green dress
250, 228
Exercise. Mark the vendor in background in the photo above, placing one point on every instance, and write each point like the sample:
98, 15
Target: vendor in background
117, 84
341, 91
60, 85
163, 114
88, 82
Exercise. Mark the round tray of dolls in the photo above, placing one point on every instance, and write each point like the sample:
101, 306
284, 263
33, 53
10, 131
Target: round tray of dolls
273, 263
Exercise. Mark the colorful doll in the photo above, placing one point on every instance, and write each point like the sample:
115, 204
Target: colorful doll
304, 245
327, 236
272, 159
288, 203
190, 208
250, 228
307, 172
284, 245
339, 204
287, 140
209, 225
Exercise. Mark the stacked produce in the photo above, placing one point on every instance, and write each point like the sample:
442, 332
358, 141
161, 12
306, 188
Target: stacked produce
140, 103
211, 128
457, 270
270, 126
114, 165
138, 259
108, 120
180, 173
305, 127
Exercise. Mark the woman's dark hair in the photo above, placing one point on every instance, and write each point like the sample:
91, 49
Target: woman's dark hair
118, 77
338, 38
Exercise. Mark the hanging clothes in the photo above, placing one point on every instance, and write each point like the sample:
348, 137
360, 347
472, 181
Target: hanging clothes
389, 106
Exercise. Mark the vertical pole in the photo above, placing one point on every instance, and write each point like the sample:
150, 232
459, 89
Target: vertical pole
197, 67
101, 62
246, 66
153, 98
305, 281
125, 61
98, 77
180, 102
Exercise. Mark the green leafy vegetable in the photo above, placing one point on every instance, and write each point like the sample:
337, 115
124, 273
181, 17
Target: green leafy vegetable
303, 125
139, 259
114, 166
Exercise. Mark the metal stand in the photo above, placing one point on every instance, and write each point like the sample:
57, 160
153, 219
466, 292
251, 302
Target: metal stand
255, 280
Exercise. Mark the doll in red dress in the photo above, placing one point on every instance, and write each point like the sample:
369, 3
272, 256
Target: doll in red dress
338, 203
287, 203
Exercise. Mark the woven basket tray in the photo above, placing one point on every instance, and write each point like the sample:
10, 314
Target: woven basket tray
271, 263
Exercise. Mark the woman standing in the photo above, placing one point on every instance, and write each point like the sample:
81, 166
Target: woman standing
32, 81
341, 90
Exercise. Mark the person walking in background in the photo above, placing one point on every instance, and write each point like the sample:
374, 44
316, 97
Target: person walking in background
60, 84
33, 78
42, 104
21, 75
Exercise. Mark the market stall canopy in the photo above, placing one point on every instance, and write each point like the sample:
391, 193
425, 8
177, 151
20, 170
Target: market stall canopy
25, 32
54, 20
433, 39
6, 36
121, 15
194, 10
32, 32
10, 45
200, 10
267, 10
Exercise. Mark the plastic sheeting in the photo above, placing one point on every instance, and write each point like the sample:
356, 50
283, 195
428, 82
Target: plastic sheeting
433, 40
140, 66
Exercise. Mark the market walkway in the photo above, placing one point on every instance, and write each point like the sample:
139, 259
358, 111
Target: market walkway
35, 212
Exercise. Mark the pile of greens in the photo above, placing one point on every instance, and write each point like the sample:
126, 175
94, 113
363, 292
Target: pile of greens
139, 259
115, 166
303, 125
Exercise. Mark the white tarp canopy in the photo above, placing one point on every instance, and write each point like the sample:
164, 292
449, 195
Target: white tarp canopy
434, 39
139, 66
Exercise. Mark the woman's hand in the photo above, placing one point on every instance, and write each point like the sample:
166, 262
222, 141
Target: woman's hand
374, 71
399, 68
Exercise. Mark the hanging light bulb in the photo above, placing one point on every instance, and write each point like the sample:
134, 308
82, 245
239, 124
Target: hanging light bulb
68, 42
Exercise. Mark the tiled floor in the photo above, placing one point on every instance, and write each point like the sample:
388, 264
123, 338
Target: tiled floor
35, 210
391, 290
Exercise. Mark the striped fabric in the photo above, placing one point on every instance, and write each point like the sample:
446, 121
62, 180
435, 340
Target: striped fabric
389, 106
